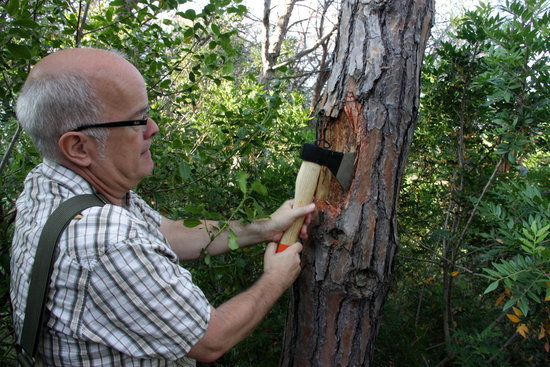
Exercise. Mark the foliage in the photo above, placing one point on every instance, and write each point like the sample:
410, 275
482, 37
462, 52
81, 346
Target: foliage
525, 227
474, 208
227, 147
232, 156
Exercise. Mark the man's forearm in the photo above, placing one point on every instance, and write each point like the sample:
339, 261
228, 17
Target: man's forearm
234, 320
188, 243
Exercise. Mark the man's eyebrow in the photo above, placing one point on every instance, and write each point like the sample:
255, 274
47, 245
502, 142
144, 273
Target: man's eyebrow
142, 111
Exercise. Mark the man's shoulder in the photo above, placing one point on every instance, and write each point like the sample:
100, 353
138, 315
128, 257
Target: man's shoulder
50, 180
96, 229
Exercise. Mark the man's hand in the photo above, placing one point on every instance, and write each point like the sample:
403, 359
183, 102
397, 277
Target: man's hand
283, 267
283, 218
235, 319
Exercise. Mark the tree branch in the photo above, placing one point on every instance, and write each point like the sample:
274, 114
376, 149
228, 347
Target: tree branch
474, 210
13, 141
81, 21
302, 53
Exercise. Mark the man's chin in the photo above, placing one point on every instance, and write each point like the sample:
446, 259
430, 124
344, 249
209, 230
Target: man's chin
149, 170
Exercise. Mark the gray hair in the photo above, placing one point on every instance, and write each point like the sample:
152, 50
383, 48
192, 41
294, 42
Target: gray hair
50, 106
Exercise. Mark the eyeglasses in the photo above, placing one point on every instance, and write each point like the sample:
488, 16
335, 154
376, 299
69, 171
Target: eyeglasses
141, 122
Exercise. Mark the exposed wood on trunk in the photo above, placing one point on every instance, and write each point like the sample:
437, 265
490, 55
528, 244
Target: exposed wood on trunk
370, 106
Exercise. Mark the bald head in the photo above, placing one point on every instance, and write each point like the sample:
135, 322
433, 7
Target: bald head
86, 61
105, 71
70, 88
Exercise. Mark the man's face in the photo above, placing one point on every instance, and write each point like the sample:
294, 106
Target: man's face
127, 159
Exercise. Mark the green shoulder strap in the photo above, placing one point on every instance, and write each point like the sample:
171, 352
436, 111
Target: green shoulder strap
43, 263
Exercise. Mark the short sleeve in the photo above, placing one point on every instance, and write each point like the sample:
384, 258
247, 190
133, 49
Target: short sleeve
140, 302
120, 285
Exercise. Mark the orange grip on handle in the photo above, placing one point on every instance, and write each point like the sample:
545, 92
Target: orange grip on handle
281, 247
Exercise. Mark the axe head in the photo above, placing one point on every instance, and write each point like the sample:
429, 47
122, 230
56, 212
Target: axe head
340, 164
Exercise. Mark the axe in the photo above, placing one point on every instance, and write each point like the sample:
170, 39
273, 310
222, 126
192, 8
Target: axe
340, 164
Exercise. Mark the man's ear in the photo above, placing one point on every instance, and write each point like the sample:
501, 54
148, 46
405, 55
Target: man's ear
76, 147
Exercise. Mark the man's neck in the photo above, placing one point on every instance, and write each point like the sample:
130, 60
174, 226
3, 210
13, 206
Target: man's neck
115, 194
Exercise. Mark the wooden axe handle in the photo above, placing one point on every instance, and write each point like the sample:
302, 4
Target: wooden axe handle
306, 183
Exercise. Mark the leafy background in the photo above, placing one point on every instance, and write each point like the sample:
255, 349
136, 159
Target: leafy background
472, 283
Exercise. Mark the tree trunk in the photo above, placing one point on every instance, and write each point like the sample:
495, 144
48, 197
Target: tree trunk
370, 106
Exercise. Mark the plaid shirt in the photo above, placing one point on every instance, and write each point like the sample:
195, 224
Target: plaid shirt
117, 294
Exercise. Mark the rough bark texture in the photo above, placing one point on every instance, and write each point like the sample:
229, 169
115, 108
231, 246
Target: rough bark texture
370, 106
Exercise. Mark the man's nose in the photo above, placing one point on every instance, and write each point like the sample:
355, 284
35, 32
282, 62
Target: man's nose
151, 128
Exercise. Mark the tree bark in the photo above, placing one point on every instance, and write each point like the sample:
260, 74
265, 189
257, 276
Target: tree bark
369, 106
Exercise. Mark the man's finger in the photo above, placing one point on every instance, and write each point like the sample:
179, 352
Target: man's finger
297, 247
271, 248
304, 210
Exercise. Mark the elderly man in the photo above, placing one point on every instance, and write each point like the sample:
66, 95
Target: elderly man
117, 294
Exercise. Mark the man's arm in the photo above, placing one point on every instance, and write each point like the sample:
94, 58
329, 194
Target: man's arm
234, 320
189, 242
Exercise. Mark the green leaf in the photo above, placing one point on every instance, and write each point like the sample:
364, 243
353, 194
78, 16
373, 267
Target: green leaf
19, 51
165, 84
12, 7
510, 303
25, 22
184, 170
258, 187
189, 32
215, 29
228, 68
242, 182
232, 241
492, 287
109, 14
534, 297
492, 272
225, 43
191, 222
543, 232
189, 14
194, 209
524, 307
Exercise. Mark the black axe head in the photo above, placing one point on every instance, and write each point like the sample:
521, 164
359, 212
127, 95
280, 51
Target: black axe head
340, 164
